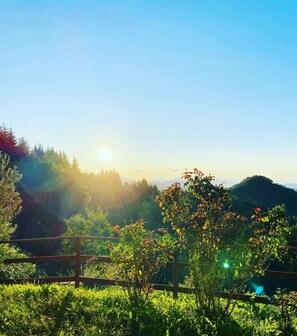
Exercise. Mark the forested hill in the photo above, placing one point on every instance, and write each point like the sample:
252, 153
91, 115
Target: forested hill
53, 189
262, 192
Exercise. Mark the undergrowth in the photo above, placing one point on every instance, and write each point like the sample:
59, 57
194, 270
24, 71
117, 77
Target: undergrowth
62, 310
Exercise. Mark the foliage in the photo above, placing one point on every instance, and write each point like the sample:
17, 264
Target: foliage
53, 188
225, 249
62, 310
88, 223
9, 207
138, 257
287, 301
52, 191
10, 200
16, 148
137, 200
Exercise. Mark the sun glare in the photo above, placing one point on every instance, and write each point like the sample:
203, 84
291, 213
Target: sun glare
105, 155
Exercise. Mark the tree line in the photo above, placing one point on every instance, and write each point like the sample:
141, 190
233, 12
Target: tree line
58, 198
53, 189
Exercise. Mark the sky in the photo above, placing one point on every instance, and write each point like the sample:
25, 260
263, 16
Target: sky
163, 85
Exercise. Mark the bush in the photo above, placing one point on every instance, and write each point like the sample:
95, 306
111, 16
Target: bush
138, 258
225, 250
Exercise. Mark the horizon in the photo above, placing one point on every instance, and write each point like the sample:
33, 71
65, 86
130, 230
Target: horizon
158, 88
162, 182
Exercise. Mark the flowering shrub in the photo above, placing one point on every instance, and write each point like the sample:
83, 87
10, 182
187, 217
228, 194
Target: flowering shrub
225, 249
138, 257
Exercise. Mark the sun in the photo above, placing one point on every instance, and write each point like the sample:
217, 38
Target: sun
105, 155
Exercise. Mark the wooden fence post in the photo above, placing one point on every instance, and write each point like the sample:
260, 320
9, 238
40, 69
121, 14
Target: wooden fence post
175, 276
77, 261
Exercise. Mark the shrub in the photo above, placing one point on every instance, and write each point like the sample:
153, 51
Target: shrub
138, 257
225, 250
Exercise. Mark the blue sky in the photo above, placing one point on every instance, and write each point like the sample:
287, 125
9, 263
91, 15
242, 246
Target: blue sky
165, 85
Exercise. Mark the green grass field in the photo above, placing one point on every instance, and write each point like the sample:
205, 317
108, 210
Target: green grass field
63, 310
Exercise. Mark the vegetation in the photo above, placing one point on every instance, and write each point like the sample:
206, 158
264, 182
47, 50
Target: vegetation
138, 258
260, 191
225, 236
53, 189
225, 250
62, 310
88, 223
9, 207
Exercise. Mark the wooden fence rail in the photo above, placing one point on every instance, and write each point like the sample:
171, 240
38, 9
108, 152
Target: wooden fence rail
79, 258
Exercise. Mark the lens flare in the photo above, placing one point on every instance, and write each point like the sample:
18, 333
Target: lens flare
225, 264
259, 290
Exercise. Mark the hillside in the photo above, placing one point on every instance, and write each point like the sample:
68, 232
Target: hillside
262, 192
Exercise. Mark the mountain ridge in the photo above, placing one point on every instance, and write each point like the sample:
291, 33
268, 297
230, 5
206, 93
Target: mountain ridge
263, 192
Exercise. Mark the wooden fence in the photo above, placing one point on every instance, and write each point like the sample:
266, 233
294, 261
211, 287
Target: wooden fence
78, 258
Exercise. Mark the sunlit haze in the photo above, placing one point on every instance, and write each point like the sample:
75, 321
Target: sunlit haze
161, 85
105, 155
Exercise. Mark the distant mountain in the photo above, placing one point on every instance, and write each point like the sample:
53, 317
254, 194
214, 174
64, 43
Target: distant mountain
163, 183
262, 192
291, 185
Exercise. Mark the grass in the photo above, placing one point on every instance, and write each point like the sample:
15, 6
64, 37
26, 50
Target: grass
62, 310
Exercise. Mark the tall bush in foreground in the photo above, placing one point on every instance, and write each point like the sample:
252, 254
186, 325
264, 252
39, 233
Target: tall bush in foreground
9, 207
138, 257
225, 250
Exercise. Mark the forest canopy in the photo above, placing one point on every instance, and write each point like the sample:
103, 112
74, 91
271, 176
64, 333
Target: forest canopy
53, 189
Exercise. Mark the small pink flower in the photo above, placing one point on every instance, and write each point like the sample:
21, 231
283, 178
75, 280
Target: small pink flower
257, 210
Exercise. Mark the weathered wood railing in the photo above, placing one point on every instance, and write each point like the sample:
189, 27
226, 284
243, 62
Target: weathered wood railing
78, 258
